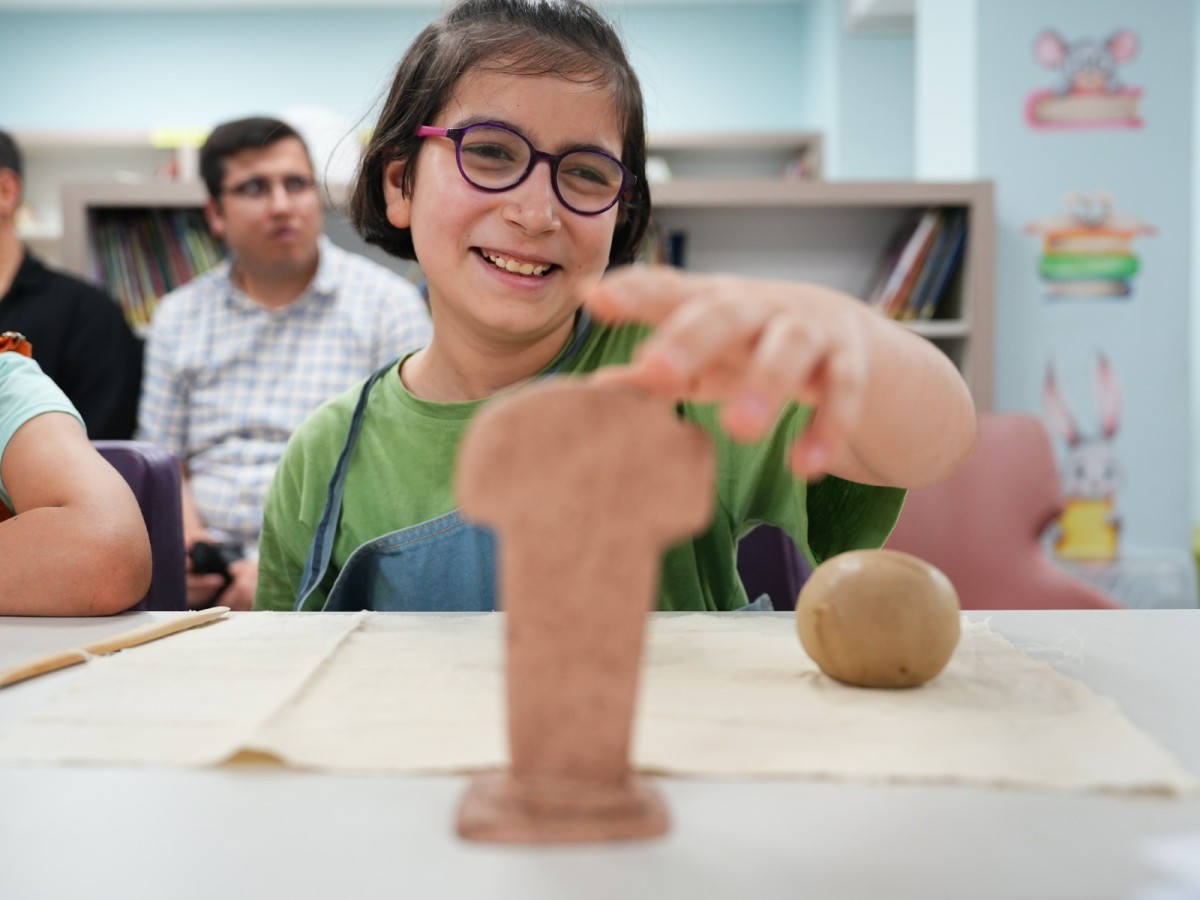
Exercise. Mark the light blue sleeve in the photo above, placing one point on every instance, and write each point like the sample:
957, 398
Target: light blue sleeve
25, 392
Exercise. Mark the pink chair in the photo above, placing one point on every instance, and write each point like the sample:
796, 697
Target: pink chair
983, 527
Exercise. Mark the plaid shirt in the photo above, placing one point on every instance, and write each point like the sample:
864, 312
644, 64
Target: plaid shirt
227, 381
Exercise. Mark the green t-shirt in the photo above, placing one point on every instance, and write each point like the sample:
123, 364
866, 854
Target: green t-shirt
402, 474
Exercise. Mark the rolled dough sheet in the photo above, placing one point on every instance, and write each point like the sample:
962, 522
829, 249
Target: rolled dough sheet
727, 695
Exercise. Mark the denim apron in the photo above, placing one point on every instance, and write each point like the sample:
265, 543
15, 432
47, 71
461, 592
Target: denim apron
446, 564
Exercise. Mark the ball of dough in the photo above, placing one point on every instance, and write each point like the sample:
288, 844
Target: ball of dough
878, 618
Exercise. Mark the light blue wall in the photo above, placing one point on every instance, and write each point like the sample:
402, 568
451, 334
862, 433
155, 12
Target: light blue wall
730, 67
946, 90
709, 67
1148, 172
148, 70
723, 68
1194, 381
875, 133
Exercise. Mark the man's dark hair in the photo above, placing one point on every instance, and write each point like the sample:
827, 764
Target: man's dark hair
567, 38
10, 153
233, 137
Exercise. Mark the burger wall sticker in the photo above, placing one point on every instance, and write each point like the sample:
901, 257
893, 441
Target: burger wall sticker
1088, 251
1088, 94
1089, 527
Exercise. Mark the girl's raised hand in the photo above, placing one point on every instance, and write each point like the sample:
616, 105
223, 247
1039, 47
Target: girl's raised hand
751, 345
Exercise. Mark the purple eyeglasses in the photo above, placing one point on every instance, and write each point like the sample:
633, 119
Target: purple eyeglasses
494, 157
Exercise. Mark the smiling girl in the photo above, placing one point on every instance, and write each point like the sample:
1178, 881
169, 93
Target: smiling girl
509, 161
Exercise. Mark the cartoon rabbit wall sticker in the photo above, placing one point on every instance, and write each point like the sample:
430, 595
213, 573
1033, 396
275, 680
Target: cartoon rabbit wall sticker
1089, 527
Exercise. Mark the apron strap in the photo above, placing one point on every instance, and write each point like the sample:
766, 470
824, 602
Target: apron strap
321, 550
583, 327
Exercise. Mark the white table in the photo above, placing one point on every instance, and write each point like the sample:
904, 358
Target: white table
266, 832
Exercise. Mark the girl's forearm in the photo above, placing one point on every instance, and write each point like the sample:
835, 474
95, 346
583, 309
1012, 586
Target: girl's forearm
918, 418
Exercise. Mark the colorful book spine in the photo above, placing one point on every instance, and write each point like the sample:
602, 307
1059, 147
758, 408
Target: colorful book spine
139, 255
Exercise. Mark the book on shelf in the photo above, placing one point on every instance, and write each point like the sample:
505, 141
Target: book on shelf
916, 267
908, 266
661, 247
141, 254
943, 264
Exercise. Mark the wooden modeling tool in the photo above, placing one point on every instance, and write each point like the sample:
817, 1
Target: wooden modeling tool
140, 635
586, 486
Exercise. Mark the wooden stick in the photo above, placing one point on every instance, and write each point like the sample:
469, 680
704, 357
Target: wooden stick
140, 635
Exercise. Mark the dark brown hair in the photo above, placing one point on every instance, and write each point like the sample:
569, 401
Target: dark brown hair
567, 38
233, 137
10, 154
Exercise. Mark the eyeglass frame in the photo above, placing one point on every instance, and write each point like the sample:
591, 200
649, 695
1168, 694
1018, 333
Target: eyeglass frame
299, 185
628, 179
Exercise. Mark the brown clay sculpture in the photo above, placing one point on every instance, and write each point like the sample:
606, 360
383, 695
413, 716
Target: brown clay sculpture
585, 486
878, 618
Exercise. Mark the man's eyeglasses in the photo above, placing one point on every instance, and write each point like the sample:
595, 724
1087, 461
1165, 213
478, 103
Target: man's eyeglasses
494, 157
258, 188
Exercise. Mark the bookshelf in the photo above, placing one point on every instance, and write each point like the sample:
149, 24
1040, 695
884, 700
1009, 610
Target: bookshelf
90, 207
715, 155
836, 234
742, 206
92, 211
54, 158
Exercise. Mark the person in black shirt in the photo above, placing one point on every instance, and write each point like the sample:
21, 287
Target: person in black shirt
80, 337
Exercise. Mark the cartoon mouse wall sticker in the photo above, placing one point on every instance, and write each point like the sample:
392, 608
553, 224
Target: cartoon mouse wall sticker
1089, 93
1088, 66
1089, 527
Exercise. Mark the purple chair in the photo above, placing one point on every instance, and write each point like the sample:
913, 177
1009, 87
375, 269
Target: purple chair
769, 563
153, 474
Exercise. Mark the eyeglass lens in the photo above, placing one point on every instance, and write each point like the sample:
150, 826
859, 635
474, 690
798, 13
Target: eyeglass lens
495, 158
293, 185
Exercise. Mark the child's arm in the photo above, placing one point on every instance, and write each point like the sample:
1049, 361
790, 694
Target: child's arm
78, 544
890, 407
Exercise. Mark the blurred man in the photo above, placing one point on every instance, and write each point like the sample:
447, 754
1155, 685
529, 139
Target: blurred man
78, 332
237, 358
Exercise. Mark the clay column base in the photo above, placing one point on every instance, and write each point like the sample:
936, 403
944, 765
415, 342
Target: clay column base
500, 809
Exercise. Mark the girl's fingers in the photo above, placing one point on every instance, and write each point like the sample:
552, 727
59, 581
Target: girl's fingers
781, 368
702, 337
648, 375
838, 387
750, 346
647, 294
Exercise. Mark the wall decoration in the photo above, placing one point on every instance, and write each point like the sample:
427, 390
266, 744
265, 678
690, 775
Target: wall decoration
1089, 94
1089, 527
1087, 252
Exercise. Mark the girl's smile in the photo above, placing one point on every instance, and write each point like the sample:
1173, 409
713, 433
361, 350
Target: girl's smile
510, 263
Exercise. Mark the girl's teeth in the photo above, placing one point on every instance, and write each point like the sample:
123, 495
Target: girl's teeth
519, 268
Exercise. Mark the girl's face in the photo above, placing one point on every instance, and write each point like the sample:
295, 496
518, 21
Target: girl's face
467, 240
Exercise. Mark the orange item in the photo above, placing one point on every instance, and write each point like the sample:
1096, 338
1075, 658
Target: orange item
15, 341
